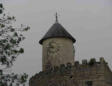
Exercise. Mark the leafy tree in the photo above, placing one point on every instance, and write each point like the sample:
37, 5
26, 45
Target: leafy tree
10, 39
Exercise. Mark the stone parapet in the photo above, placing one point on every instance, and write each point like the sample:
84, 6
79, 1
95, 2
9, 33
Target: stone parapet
88, 70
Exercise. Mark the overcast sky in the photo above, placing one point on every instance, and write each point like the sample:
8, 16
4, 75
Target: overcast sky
89, 21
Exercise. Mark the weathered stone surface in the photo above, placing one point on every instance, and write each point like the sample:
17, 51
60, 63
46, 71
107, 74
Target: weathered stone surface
57, 51
97, 74
59, 68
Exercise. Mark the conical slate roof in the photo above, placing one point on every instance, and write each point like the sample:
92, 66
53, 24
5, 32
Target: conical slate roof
57, 31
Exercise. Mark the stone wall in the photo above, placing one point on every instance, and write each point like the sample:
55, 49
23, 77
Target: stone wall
92, 73
57, 51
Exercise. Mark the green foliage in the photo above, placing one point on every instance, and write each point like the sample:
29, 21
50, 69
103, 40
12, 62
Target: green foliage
1, 8
21, 50
12, 79
10, 39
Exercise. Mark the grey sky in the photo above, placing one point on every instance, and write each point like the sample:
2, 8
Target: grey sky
89, 21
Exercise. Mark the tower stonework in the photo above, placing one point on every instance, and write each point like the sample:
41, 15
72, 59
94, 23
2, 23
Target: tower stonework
57, 46
57, 51
59, 66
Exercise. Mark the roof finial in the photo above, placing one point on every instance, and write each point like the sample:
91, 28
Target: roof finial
56, 17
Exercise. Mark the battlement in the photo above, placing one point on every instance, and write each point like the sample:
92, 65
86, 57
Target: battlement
87, 70
91, 62
86, 67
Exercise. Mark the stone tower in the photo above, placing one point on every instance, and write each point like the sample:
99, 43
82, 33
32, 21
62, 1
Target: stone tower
59, 67
57, 46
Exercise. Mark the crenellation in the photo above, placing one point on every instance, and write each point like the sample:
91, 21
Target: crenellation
84, 62
102, 60
61, 69
81, 68
94, 71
